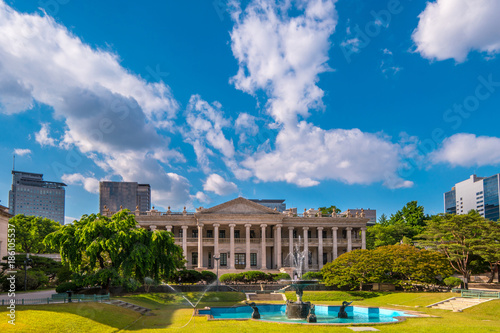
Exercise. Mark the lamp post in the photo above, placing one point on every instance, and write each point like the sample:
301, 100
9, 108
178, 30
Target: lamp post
217, 261
27, 262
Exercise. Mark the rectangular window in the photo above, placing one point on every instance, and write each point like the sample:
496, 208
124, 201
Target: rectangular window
209, 259
194, 258
324, 233
222, 234
309, 233
236, 234
252, 233
239, 260
210, 234
223, 259
195, 233
295, 234
253, 259
325, 258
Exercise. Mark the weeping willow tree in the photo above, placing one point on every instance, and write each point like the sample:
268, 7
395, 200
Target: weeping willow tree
106, 250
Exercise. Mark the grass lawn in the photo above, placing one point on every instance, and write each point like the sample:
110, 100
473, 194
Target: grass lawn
173, 313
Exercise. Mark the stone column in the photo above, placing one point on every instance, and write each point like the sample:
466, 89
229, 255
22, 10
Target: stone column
152, 227
247, 243
278, 245
184, 241
263, 260
290, 242
349, 239
363, 238
216, 239
306, 248
169, 228
335, 246
231, 245
200, 245
320, 247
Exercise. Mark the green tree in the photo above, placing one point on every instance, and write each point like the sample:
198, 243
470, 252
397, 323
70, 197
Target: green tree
105, 250
329, 210
402, 265
30, 232
489, 250
457, 236
402, 226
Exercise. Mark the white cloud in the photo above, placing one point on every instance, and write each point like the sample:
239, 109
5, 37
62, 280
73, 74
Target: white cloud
282, 49
307, 154
453, 28
219, 185
100, 101
205, 131
468, 150
202, 197
43, 137
90, 184
69, 220
246, 125
22, 152
283, 53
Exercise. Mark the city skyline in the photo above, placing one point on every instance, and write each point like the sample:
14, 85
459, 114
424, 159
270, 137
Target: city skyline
319, 103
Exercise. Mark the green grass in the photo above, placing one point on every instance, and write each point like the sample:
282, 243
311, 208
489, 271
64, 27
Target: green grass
173, 313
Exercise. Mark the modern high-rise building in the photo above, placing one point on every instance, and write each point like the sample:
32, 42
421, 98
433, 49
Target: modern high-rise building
279, 204
128, 195
31, 195
478, 193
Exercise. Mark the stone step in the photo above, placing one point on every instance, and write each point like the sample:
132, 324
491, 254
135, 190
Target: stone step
130, 306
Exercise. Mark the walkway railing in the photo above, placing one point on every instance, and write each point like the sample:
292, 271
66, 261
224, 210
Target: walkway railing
57, 298
477, 293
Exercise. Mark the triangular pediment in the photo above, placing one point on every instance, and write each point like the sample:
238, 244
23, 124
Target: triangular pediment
239, 206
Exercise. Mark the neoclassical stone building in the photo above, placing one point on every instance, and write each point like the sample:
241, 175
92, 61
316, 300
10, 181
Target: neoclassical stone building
249, 236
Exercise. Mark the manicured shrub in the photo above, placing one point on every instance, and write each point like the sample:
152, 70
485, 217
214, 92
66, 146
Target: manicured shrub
208, 276
313, 276
452, 281
227, 278
281, 276
255, 276
64, 287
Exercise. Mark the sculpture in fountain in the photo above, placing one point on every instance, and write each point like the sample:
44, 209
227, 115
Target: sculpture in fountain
255, 313
342, 313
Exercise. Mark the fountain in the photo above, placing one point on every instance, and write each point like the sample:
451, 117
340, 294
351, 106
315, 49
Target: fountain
255, 313
299, 309
342, 313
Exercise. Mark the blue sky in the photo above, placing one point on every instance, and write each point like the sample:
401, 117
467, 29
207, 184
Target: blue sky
355, 103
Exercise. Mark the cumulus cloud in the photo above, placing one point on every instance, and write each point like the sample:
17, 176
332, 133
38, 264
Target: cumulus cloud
219, 185
43, 136
22, 152
90, 184
281, 49
100, 101
202, 197
468, 150
205, 124
450, 29
283, 53
307, 154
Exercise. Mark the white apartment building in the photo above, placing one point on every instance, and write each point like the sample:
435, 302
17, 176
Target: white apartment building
478, 193
248, 236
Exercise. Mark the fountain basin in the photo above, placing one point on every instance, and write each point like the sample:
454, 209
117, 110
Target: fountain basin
325, 314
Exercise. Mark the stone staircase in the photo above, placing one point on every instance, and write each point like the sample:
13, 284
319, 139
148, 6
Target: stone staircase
130, 306
265, 297
457, 304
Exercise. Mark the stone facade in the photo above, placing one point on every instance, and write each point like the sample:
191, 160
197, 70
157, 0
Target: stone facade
4, 221
249, 236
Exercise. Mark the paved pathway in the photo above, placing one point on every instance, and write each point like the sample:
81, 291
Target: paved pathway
30, 295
